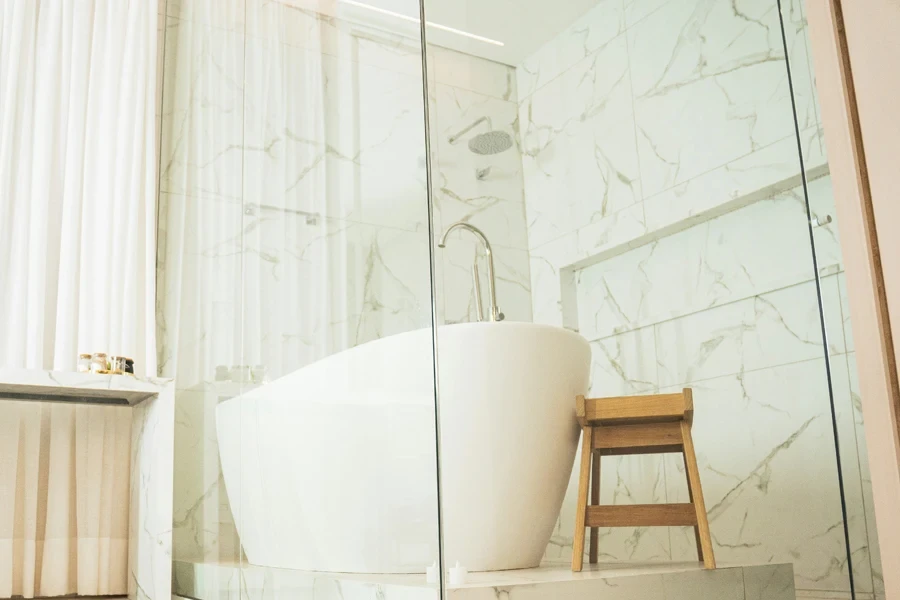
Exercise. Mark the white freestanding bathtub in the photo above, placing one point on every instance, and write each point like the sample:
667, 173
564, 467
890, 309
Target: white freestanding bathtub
332, 467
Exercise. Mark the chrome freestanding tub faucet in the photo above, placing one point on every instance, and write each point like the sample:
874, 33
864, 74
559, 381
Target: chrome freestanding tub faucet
495, 315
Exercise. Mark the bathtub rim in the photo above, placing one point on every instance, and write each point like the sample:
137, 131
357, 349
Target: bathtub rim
257, 392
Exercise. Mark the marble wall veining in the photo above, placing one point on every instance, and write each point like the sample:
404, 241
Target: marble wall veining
293, 209
667, 224
692, 92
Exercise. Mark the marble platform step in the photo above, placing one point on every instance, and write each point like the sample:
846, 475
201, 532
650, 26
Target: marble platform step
633, 581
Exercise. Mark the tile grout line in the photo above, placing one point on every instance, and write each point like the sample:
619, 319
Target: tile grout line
692, 313
746, 372
656, 194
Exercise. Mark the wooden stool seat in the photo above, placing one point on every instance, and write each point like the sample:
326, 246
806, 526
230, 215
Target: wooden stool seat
626, 425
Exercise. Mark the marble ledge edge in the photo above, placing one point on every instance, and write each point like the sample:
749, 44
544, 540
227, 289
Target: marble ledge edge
65, 383
752, 178
728, 582
630, 228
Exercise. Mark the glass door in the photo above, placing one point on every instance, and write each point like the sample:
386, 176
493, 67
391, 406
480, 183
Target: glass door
861, 537
297, 297
634, 167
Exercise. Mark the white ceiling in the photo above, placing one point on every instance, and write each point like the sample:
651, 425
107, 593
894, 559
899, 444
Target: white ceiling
522, 26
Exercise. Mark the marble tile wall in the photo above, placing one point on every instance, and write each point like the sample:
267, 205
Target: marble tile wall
151, 544
657, 114
763, 425
293, 208
666, 223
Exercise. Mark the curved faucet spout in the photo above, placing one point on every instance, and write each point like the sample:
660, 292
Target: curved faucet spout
463, 225
495, 315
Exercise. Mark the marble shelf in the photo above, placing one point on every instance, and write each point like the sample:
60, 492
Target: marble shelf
85, 388
152, 406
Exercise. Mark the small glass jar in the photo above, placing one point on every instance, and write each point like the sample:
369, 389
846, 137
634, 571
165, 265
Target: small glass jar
117, 364
260, 374
84, 363
99, 362
223, 373
240, 373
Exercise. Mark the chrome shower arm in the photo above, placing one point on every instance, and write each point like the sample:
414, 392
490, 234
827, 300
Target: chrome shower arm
455, 138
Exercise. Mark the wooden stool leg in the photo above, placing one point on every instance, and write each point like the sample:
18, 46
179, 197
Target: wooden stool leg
595, 501
696, 529
704, 540
581, 506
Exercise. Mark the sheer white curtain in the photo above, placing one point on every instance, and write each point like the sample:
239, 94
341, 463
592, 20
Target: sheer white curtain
247, 251
244, 274
295, 265
77, 274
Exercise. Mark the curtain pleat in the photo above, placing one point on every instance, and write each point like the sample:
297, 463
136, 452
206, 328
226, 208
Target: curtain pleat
77, 270
65, 473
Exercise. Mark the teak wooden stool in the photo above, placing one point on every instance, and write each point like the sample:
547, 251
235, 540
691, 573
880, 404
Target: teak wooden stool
654, 424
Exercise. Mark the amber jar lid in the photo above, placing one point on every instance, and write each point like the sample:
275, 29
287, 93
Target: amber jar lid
84, 356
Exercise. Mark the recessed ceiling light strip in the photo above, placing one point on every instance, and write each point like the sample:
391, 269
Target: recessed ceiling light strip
397, 15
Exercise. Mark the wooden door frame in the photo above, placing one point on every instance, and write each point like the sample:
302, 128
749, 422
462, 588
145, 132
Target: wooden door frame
869, 307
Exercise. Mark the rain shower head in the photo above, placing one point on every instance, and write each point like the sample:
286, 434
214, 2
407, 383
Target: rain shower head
492, 142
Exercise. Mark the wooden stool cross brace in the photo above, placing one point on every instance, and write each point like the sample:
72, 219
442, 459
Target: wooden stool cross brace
655, 424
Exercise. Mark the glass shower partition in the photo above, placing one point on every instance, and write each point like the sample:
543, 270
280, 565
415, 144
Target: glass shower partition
295, 298
856, 485
653, 200
626, 170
